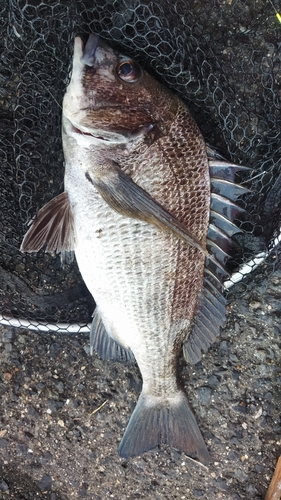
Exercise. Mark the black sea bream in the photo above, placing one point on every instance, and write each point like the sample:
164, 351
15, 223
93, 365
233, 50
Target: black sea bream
147, 210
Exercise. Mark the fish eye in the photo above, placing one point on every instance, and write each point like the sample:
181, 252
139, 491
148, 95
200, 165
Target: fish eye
129, 71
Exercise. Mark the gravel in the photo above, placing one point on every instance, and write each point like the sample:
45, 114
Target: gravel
63, 414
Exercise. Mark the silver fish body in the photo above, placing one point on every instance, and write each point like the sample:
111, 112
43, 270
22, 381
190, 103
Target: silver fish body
136, 210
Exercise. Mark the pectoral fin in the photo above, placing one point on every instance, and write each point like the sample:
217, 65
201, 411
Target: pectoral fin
127, 198
53, 227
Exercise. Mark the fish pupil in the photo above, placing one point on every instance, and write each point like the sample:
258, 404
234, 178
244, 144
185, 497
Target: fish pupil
125, 69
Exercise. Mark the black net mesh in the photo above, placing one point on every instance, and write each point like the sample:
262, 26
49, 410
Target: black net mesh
223, 58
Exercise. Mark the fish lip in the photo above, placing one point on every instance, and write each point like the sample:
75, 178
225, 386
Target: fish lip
102, 106
89, 50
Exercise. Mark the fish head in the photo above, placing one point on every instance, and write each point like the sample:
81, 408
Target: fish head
110, 99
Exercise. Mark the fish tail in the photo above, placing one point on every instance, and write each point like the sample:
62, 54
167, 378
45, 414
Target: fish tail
155, 422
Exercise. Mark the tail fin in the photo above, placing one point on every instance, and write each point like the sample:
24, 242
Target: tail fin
155, 422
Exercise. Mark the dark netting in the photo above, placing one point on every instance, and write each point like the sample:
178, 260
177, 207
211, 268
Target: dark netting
223, 58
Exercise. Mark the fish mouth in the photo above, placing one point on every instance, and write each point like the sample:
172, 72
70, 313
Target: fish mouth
95, 136
115, 136
77, 130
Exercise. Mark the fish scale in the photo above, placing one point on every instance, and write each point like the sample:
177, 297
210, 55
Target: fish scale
151, 231
170, 182
158, 182
124, 293
130, 286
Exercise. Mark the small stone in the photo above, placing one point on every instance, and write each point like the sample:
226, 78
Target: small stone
7, 336
232, 455
32, 412
175, 455
55, 349
268, 396
204, 395
22, 449
240, 408
240, 475
4, 486
255, 305
82, 492
222, 484
60, 387
261, 354
271, 353
251, 489
7, 376
87, 349
198, 493
259, 413
20, 268
224, 347
236, 327
213, 381
259, 468
45, 483
39, 386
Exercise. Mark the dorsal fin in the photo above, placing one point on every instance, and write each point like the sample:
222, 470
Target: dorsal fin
228, 227
224, 170
215, 234
53, 228
227, 188
220, 168
224, 206
216, 250
210, 315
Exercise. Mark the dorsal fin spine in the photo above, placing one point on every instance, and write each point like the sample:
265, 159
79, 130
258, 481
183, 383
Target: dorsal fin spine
223, 210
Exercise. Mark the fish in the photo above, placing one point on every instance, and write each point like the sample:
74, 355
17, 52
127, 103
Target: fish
148, 209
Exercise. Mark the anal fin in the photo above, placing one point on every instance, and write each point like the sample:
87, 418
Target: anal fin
106, 347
